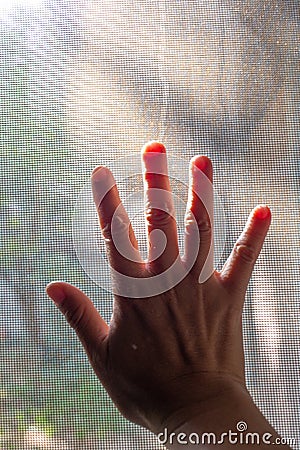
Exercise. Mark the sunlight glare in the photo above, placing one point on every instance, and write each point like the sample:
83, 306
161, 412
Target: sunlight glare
8, 5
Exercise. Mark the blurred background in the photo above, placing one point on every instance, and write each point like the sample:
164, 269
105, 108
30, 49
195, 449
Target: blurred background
84, 83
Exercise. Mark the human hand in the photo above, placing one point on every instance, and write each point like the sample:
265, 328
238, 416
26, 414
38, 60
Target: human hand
172, 355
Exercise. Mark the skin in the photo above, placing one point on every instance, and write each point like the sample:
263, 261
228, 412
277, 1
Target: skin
174, 360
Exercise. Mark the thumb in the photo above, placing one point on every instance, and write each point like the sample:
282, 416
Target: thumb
81, 314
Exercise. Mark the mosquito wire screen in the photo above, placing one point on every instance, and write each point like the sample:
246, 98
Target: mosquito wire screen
85, 83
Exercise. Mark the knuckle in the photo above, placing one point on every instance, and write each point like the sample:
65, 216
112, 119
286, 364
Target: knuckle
158, 217
245, 252
115, 227
107, 232
76, 317
204, 226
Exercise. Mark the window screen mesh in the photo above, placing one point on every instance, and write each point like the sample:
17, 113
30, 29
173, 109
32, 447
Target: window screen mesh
89, 82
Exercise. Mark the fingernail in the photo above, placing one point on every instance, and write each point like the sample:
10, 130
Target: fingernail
262, 212
56, 293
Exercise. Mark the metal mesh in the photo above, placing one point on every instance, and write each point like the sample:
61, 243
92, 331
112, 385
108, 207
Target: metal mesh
89, 82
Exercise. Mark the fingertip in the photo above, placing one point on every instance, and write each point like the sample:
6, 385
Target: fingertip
154, 160
153, 147
202, 163
100, 173
102, 181
262, 212
56, 292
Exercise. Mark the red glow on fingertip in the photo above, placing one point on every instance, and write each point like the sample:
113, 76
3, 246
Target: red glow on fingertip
262, 212
154, 147
201, 162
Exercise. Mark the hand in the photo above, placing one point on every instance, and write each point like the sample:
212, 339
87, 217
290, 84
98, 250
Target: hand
177, 354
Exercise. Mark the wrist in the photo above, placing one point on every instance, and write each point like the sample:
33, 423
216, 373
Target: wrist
208, 399
223, 418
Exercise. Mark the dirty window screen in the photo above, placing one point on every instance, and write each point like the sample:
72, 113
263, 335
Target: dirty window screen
85, 83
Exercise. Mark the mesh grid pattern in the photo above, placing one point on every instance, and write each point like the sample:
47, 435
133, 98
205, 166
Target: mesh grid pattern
88, 82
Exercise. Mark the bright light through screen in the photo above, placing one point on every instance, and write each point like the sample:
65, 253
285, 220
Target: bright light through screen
8, 5
88, 82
